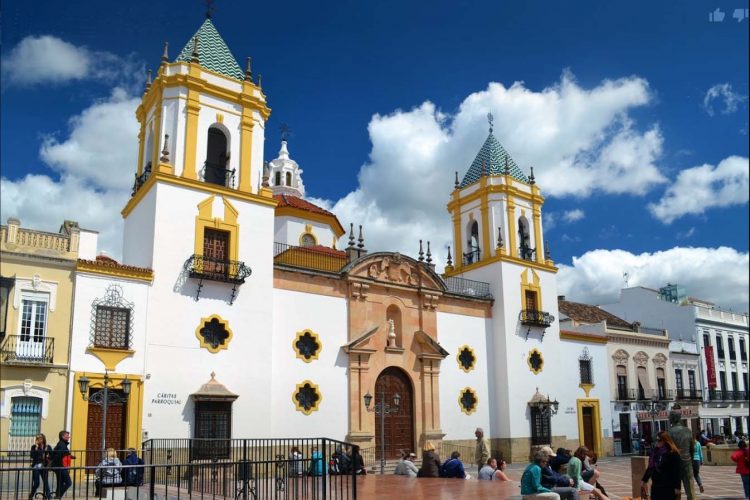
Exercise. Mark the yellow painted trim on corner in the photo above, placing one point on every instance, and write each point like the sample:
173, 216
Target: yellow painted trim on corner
141, 146
134, 408
458, 358
315, 387
110, 357
568, 335
511, 213
132, 274
192, 110
202, 341
537, 221
596, 417
315, 336
157, 144
246, 150
484, 211
329, 220
205, 219
476, 400
528, 361
532, 286
458, 256
205, 187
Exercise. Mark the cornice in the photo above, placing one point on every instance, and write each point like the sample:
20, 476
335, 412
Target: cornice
126, 272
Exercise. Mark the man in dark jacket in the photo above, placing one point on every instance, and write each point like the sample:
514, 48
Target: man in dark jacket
562, 458
61, 458
453, 467
133, 476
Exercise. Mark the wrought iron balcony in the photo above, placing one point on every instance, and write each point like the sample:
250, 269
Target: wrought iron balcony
140, 180
26, 349
664, 394
225, 271
471, 256
216, 173
531, 317
468, 288
689, 395
724, 395
624, 394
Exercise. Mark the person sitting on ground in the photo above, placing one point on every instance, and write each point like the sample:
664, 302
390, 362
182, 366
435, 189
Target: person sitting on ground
430, 461
588, 472
356, 462
493, 470
133, 475
453, 467
559, 483
531, 480
561, 458
405, 466
575, 466
108, 471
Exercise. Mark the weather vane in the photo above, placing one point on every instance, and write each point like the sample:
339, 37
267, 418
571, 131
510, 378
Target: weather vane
209, 8
490, 119
286, 131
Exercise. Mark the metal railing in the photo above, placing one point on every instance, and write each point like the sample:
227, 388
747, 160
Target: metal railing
468, 288
624, 394
140, 180
307, 258
27, 349
228, 271
531, 317
689, 394
471, 256
216, 173
264, 479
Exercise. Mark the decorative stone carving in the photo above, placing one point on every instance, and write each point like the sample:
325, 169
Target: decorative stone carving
359, 291
621, 356
391, 333
394, 269
660, 360
430, 301
640, 358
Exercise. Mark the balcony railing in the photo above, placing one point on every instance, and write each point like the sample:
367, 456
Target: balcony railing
689, 395
471, 256
314, 258
719, 395
225, 271
530, 317
140, 180
624, 394
468, 288
216, 173
24, 349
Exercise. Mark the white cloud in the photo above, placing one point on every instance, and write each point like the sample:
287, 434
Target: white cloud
550, 219
596, 276
573, 215
580, 141
48, 59
700, 188
723, 93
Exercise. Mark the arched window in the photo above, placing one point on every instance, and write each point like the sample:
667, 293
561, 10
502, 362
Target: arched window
661, 383
217, 155
288, 178
277, 179
148, 153
393, 313
524, 239
472, 245
622, 383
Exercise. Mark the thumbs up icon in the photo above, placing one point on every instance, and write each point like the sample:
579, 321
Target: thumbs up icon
716, 16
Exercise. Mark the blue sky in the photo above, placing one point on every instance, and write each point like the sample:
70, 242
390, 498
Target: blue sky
634, 115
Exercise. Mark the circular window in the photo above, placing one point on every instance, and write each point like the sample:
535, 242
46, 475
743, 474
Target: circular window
307, 240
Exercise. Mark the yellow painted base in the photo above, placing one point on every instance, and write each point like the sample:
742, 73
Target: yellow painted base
110, 357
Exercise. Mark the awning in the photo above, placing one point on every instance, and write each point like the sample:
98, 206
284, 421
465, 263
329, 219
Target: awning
643, 379
213, 390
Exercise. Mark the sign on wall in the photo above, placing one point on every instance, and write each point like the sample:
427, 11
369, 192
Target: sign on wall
710, 367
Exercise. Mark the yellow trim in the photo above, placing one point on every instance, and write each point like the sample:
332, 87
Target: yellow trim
205, 219
329, 220
511, 213
141, 146
308, 232
315, 337
132, 274
246, 149
486, 233
476, 400
500, 258
596, 417
587, 388
192, 110
317, 391
134, 408
202, 341
511, 193
220, 117
457, 241
197, 185
528, 361
110, 357
458, 358
156, 145
537, 217
568, 335
532, 286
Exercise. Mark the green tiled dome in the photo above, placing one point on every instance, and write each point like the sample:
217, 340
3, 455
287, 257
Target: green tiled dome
213, 53
493, 156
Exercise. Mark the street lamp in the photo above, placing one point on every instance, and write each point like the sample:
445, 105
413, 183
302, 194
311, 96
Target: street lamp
653, 408
382, 409
104, 398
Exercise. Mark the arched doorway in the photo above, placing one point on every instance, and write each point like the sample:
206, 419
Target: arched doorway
398, 430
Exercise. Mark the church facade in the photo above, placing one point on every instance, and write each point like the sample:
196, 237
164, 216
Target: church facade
234, 314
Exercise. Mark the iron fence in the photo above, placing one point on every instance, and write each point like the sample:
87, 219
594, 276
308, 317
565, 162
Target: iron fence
28, 349
468, 288
689, 394
531, 317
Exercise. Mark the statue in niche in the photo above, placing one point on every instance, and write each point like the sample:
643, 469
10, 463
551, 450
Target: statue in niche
391, 333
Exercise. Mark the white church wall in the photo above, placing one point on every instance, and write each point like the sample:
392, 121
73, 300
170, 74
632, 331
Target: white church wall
456, 331
289, 229
138, 233
327, 317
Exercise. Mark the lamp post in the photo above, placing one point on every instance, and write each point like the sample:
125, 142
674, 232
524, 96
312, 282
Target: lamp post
546, 409
382, 409
104, 398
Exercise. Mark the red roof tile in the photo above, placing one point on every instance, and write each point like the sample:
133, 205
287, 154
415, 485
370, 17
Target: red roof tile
286, 200
104, 261
586, 313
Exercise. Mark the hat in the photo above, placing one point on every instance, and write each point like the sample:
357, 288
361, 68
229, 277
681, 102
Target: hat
413, 455
549, 451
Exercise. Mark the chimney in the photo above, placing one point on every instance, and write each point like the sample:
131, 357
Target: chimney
560, 298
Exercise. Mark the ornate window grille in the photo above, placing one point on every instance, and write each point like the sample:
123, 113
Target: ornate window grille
468, 401
307, 397
540, 426
112, 320
535, 361
307, 345
466, 358
584, 367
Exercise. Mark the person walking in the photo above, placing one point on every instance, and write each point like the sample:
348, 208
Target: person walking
697, 462
482, 452
430, 461
61, 459
683, 439
531, 480
664, 467
41, 457
742, 458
